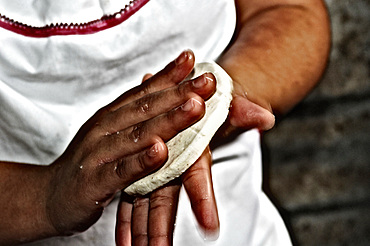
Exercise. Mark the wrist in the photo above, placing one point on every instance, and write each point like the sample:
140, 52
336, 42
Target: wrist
38, 201
24, 217
46, 188
247, 79
249, 92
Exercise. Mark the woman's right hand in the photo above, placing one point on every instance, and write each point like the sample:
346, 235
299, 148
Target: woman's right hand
123, 142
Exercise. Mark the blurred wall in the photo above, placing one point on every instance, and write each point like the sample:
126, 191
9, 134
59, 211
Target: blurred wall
318, 157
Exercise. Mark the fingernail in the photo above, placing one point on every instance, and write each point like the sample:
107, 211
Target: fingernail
189, 105
183, 57
202, 81
209, 235
154, 150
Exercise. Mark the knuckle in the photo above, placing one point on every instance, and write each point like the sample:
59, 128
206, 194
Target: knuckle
141, 202
98, 124
124, 221
145, 89
96, 130
102, 112
137, 132
140, 238
200, 202
174, 125
181, 90
189, 176
195, 173
120, 169
177, 118
161, 201
198, 168
159, 237
142, 163
184, 91
144, 105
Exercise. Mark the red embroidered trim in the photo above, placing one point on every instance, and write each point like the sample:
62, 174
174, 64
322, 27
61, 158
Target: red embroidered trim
94, 26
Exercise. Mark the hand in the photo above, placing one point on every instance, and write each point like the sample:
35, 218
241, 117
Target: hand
244, 115
151, 219
123, 142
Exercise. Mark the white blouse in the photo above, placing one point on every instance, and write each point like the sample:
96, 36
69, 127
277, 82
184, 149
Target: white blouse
54, 75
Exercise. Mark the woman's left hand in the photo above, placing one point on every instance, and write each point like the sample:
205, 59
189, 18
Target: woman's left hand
150, 220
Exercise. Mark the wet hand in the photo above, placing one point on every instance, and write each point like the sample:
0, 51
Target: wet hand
151, 219
123, 142
244, 115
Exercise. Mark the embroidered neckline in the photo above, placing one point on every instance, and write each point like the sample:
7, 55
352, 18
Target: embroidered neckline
55, 29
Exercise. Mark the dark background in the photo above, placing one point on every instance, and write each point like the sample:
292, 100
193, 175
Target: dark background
317, 161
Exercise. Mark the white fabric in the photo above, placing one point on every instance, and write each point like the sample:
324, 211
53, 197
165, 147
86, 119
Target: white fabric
44, 12
92, 70
247, 217
50, 86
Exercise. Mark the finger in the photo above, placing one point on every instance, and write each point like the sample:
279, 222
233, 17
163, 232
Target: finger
117, 170
174, 73
120, 173
138, 165
247, 115
157, 103
123, 220
197, 181
244, 115
147, 76
140, 136
140, 221
162, 213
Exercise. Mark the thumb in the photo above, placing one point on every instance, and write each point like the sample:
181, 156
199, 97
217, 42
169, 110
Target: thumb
246, 115
146, 77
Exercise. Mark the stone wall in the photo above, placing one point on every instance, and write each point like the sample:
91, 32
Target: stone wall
318, 158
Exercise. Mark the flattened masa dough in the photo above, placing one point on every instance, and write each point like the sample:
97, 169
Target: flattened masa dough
187, 146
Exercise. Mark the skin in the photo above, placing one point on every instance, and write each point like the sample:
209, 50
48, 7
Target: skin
121, 143
60, 198
151, 219
278, 54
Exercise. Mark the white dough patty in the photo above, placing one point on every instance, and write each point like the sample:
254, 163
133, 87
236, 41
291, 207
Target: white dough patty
187, 146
